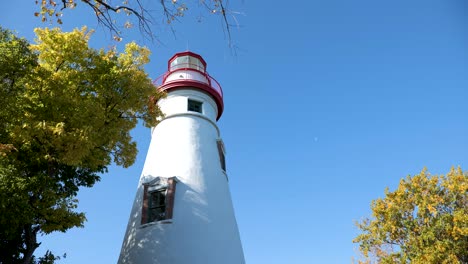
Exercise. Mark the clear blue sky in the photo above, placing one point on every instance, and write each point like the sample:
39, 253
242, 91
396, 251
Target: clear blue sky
327, 103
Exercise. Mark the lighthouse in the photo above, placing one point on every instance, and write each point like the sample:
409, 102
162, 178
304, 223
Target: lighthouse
183, 212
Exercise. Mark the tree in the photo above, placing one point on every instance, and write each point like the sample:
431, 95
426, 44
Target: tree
424, 221
67, 111
106, 12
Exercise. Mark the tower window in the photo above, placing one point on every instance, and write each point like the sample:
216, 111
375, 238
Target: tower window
158, 200
222, 158
157, 205
194, 106
187, 62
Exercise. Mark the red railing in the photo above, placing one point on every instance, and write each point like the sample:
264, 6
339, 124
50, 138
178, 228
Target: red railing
212, 83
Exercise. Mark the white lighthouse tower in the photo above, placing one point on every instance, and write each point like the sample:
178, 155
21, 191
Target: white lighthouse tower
183, 213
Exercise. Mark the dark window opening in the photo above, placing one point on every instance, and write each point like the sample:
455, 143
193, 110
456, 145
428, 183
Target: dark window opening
194, 106
222, 158
158, 200
157, 205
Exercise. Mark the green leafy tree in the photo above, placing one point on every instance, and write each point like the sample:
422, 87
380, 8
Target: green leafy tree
66, 114
425, 220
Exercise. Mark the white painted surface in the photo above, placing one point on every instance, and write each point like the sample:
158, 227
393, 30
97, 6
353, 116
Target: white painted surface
176, 102
186, 75
203, 229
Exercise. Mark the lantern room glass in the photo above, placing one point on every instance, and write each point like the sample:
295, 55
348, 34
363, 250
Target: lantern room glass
187, 62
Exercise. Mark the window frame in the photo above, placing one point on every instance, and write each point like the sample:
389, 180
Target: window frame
187, 62
222, 154
168, 185
161, 207
180, 63
199, 104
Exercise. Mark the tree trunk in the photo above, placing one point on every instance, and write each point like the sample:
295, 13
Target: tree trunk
30, 237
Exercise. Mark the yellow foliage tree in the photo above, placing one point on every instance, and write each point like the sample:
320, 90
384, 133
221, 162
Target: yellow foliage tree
424, 221
67, 111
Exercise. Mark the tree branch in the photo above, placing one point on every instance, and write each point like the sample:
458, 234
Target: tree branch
171, 10
104, 17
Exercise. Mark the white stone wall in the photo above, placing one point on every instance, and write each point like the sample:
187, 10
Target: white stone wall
203, 228
176, 103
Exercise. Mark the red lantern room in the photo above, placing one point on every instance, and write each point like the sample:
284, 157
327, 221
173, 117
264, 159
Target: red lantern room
187, 70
